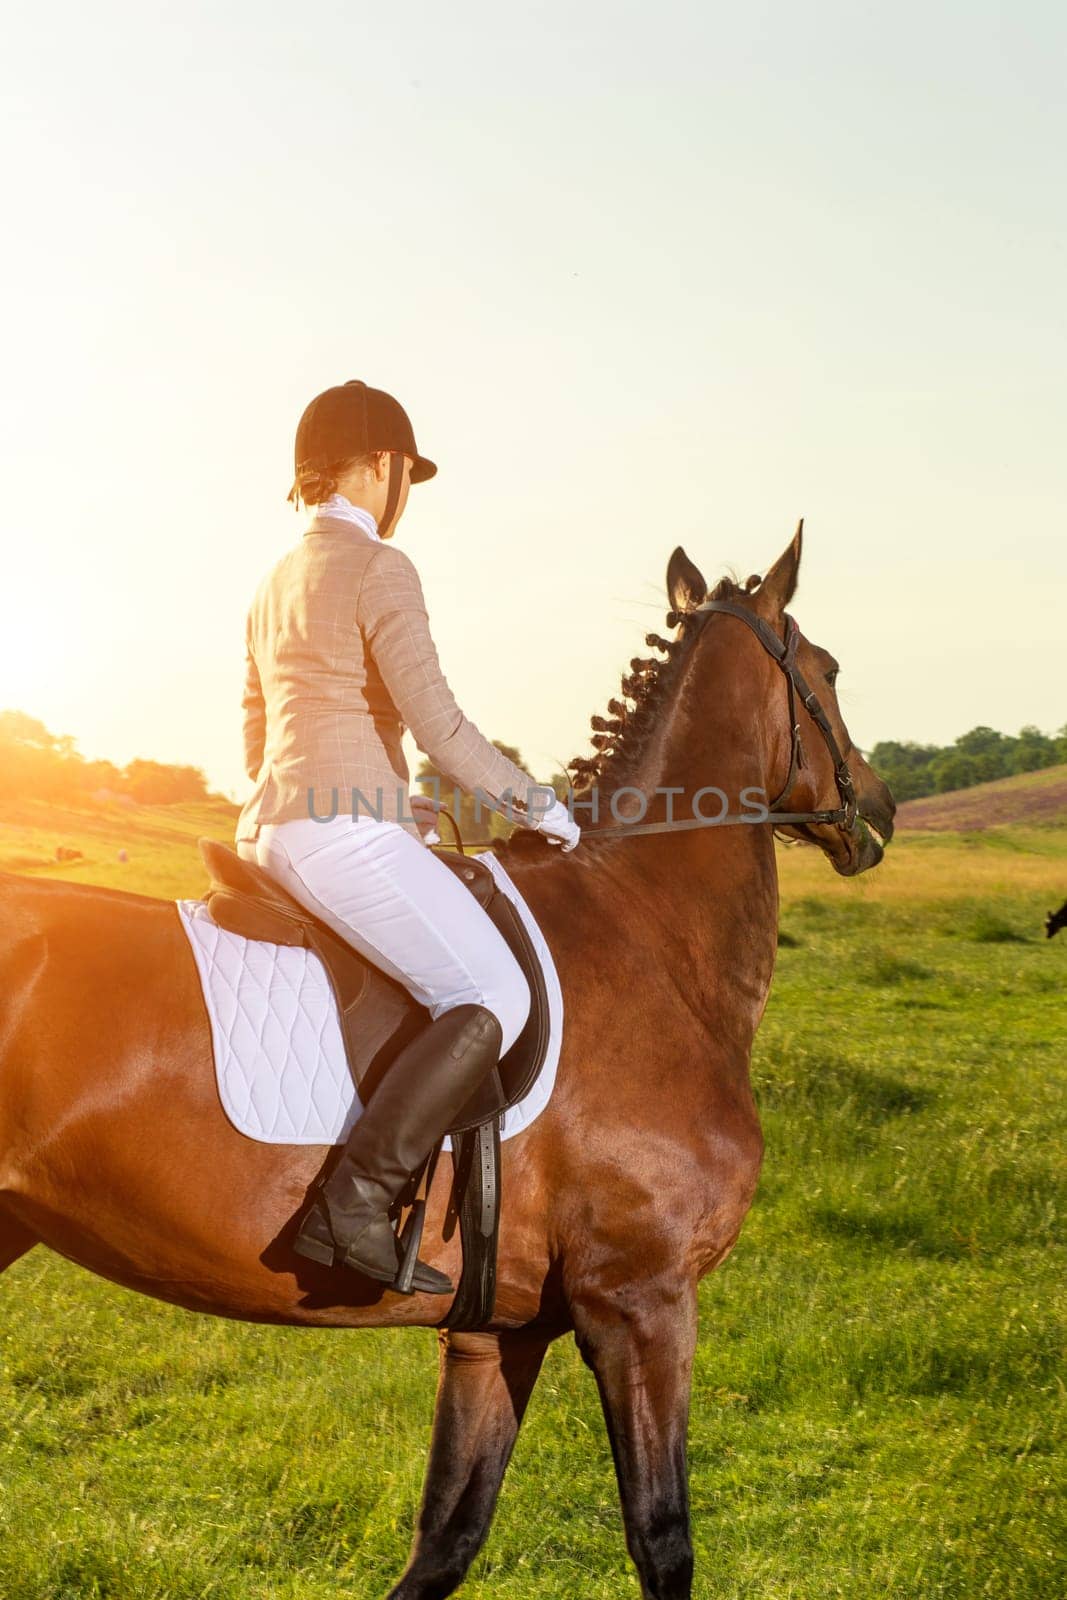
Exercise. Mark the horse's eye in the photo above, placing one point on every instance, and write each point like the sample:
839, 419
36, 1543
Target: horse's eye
831, 676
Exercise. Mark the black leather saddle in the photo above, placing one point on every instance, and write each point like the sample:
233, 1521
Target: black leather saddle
378, 1015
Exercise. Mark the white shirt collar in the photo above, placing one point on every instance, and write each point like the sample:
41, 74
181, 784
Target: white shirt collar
340, 509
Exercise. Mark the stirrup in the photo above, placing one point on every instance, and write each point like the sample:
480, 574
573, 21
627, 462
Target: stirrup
315, 1242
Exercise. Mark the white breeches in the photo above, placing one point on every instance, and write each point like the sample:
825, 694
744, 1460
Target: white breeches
385, 892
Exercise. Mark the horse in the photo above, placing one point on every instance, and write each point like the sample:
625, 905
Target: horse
632, 1184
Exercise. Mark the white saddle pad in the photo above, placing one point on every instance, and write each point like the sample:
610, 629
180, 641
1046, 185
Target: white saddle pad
279, 1056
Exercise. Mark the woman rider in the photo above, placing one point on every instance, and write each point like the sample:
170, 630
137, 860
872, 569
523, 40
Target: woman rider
339, 660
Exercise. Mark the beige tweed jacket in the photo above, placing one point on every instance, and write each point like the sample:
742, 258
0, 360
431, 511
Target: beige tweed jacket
339, 661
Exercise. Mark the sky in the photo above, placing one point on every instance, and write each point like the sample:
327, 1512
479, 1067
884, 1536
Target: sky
642, 276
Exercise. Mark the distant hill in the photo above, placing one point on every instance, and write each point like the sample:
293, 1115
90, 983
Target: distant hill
1028, 798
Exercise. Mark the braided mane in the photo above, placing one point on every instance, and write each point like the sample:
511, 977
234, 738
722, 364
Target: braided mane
620, 739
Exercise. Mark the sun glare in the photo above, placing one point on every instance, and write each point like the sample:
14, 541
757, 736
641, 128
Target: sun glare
33, 656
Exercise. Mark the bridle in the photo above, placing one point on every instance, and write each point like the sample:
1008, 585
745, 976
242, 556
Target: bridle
784, 653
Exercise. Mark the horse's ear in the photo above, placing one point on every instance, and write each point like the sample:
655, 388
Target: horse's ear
685, 582
780, 584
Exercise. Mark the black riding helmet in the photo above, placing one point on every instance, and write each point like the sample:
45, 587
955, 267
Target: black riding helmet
354, 420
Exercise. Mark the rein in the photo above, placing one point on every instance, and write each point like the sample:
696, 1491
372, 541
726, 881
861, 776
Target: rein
784, 653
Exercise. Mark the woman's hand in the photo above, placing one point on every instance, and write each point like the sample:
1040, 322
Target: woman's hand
559, 827
425, 810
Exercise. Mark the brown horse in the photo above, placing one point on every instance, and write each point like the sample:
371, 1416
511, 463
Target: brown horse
631, 1186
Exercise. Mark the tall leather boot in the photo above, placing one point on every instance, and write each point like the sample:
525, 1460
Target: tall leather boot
413, 1106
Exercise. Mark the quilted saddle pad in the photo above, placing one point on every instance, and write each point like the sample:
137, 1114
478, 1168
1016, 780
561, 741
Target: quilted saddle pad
279, 1056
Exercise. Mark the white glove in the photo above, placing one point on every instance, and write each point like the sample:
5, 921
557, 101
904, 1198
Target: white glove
424, 810
559, 827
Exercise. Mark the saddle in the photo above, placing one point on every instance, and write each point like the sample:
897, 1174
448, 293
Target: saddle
378, 1016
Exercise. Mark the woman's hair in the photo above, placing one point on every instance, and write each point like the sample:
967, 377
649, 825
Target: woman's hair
313, 484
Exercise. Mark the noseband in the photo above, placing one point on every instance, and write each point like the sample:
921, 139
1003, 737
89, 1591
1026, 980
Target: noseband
784, 653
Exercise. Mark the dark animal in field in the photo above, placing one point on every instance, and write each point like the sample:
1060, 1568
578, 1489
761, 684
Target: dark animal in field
1056, 920
629, 1188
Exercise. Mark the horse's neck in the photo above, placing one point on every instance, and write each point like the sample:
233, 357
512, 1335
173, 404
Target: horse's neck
722, 729
716, 890
695, 911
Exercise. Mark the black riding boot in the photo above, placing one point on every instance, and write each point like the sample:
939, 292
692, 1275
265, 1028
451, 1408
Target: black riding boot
419, 1098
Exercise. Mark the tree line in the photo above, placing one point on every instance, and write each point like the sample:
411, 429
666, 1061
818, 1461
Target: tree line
39, 765
913, 770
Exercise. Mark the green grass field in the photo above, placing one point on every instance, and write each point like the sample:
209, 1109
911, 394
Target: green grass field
878, 1384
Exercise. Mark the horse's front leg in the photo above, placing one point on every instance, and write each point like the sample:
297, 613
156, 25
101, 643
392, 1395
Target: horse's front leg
485, 1382
639, 1341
